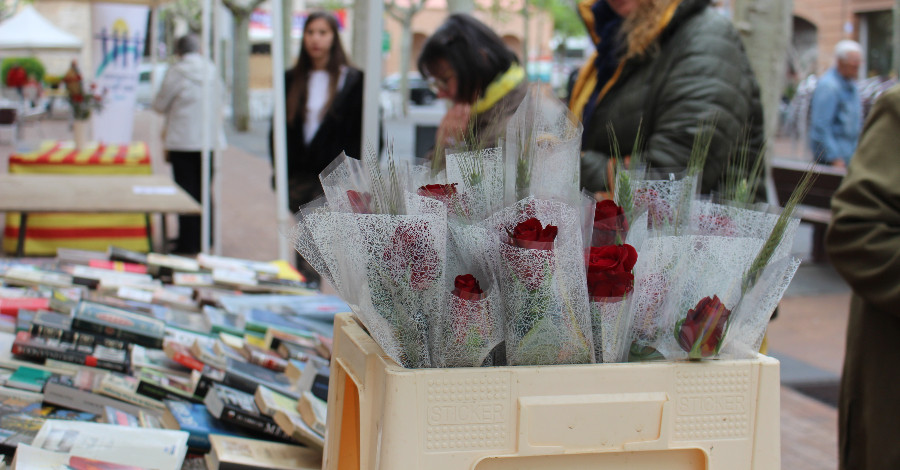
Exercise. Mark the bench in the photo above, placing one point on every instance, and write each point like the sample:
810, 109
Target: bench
815, 208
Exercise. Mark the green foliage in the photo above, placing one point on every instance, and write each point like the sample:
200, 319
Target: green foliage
566, 21
744, 172
31, 65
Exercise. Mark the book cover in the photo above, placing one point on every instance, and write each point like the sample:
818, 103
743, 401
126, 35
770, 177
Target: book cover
149, 358
64, 300
181, 354
212, 262
251, 454
269, 401
173, 262
239, 408
188, 320
113, 415
77, 393
192, 279
94, 356
117, 444
313, 410
121, 266
321, 307
196, 421
293, 425
207, 355
263, 357
124, 388
32, 276
11, 305
18, 428
119, 323
116, 253
261, 321
54, 325
246, 377
28, 378
159, 386
223, 321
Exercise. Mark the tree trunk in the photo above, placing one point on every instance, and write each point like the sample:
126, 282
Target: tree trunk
405, 55
461, 6
240, 96
766, 27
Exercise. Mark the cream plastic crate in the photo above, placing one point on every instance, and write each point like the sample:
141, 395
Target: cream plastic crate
721, 415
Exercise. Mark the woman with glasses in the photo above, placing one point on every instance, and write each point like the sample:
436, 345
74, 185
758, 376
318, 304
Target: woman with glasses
467, 63
323, 103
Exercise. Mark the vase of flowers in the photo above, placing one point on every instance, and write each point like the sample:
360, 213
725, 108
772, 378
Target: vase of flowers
82, 102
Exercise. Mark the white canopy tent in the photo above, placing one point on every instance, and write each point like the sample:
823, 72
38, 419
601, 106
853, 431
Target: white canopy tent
29, 31
368, 24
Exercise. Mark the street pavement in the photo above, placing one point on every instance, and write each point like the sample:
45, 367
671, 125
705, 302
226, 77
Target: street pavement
807, 336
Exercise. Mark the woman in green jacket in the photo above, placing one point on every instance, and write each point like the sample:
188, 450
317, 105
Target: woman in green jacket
664, 66
863, 243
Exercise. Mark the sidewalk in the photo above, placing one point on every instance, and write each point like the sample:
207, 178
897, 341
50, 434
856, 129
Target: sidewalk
807, 336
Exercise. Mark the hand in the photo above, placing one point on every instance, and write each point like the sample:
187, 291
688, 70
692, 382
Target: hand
839, 163
455, 124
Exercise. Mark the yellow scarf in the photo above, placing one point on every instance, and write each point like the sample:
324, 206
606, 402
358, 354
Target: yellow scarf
500, 87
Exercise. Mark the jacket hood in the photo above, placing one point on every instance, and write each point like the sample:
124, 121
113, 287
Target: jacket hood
193, 66
642, 35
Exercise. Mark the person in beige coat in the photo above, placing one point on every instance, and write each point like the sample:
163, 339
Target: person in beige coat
863, 243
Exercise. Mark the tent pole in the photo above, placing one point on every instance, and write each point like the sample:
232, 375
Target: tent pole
284, 213
205, 134
217, 160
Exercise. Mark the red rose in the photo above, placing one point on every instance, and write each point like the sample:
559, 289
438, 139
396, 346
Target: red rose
441, 192
609, 270
360, 202
411, 250
467, 288
700, 332
610, 226
531, 234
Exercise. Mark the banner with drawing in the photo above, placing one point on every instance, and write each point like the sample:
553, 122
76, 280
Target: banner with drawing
117, 42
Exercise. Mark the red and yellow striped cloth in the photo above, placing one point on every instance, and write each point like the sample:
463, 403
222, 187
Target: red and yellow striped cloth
47, 232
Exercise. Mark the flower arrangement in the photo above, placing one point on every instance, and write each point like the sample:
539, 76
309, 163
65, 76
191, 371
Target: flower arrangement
500, 260
81, 101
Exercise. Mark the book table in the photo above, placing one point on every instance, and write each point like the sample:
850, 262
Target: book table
85, 230
91, 193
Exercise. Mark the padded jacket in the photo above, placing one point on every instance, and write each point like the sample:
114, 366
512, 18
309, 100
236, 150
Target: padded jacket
696, 70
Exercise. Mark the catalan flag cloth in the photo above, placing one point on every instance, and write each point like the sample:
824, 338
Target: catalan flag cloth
48, 231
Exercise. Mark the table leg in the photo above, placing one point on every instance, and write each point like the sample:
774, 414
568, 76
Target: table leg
20, 247
165, 241
149, 231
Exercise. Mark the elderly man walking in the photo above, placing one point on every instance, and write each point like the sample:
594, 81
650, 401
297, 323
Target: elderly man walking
836, 111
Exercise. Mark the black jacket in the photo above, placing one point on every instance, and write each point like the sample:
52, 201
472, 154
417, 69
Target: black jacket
340, 131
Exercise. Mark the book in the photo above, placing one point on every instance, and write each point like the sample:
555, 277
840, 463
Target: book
18, 428
293, 425
75, 256
28, 378
222, 321
188, 320
235, 407
159, 386
269, 401
32, 276
306, 342
113, 415
118, 323
124, 388
181, 354
64, 300
320, 307
30, 458
263, 357
117, 444
121, 266
236, 453
212, 262
95, 356
261, 321
207, 355
11, 305
116, 253
192, 279
172, 296
246, 377
313, 410
197, 422
172, 262
77, 393
54, 325
228, 352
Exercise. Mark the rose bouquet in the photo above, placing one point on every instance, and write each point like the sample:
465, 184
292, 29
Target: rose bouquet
82, 101
541, 274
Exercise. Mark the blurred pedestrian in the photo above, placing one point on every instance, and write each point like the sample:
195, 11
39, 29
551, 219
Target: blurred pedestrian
324, 95
863, 242
468, 64
836, 110
660, 68
180, 100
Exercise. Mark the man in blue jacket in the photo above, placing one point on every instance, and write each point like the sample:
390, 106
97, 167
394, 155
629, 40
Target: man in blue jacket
836, 111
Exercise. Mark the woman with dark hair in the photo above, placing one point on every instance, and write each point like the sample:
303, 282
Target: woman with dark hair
323, 108
469, 64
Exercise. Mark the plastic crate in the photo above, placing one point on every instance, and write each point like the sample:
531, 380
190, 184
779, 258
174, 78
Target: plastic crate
721, 415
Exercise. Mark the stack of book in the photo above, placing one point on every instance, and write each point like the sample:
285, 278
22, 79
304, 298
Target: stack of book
206, 362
